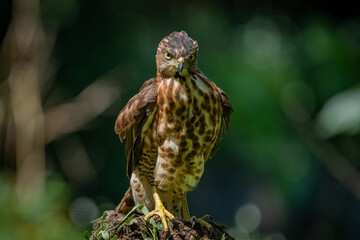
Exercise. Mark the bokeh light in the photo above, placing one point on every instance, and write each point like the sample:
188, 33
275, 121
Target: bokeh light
83, 210
248, 217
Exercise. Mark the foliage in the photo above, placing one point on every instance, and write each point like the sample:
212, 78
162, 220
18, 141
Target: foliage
36, 216
102, 232
113, 225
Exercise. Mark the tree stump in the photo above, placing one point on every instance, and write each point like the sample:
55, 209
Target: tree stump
115, 226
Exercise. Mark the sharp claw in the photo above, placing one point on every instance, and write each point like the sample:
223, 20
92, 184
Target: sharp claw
193, 222
211, 230
169, 215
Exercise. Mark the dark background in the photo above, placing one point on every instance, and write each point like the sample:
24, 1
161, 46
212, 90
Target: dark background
286, 169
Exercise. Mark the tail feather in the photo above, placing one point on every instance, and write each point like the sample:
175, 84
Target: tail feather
127, 203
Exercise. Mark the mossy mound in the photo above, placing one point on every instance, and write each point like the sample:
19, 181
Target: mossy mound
114, 226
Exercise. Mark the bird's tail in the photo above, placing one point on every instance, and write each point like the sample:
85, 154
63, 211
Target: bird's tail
127, 203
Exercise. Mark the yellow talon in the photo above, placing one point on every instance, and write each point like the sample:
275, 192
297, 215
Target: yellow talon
202, 222
186, 216
161, 211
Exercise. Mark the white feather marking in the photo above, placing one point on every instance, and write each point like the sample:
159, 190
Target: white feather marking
183, 96
159, 161
176, 84
170, 143
190, 115
201, 85
161, 128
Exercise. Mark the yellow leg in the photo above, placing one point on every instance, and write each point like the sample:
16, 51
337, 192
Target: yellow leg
161, 211
186, 215
185, 209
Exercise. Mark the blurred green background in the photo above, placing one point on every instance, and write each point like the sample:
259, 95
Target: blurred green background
288, 166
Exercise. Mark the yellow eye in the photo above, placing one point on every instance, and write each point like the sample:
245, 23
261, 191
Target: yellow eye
167, 56
192, 57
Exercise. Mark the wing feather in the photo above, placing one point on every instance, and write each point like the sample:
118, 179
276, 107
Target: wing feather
227, 109
133, 117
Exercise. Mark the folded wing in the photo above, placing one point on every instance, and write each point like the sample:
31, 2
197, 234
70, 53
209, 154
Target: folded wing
133, 118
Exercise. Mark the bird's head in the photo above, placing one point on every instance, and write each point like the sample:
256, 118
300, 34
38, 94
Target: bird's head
177, 55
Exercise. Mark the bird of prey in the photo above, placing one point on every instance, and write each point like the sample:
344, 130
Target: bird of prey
171, 128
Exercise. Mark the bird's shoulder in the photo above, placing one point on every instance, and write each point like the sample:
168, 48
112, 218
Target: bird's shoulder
222, 96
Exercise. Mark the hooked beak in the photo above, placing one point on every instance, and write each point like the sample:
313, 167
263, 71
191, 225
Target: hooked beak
180, 65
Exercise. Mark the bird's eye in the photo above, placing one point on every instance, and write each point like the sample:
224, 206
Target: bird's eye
167, 56
192, 57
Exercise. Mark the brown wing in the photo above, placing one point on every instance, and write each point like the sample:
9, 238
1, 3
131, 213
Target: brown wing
227, 109
131, 120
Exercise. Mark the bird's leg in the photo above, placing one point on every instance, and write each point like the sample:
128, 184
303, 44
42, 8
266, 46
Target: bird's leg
186, 216
161, 211
185, 209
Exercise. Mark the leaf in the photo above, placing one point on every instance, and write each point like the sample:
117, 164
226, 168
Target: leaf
87, 234
153, 223
127, 215
144, 209
105, 235
155, 235
126, 221
155, 226
159, 226
114, 237
152, 233
127, 218
97, 233
101, 218
133, 221
223, 237
145, 237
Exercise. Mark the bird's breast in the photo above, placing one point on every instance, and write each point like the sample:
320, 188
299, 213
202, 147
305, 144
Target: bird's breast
191, 101
188, 124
